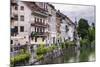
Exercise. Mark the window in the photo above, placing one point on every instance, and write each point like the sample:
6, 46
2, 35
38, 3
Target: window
40, 29
11, 41
44, 5
35, 39
69, 38
66, 27
35, 29
16, 29
11, 49
16, 17
21, 18
16, 7
46, 8
43, 39
41, 20
41, 4
53, 39
43, 30
22, 8
35, 19
21, 28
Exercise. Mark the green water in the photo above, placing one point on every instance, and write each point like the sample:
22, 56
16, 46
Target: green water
73, 56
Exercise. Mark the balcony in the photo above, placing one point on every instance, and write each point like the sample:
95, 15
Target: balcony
14, 17
40, 24
36, 34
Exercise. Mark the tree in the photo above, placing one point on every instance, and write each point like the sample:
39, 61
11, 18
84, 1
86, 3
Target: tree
91, 34
83, 28
93, 25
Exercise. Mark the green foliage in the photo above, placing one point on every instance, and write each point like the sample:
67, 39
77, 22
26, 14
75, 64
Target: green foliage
66, 44
41, 49
83, 28
63, 45
91, 34
93, 42
86, 32
20, 58
39, 57
53, 47
33, 34
70, 43
84, 43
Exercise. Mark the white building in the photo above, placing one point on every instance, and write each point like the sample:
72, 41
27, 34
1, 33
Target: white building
19, 25
35, 23
67, 27
28, 18
52, 24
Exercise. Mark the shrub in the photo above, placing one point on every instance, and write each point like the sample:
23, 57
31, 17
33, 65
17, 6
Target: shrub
53, 47
39, 57
84, 43
62, 45
20, 58
93, 42
69, 43
41, 50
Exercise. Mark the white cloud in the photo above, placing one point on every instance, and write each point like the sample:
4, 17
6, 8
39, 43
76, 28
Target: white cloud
78, 11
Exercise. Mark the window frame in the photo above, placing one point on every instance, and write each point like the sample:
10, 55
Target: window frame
11, 41
22, 8
21, 28
22, 18
16, 7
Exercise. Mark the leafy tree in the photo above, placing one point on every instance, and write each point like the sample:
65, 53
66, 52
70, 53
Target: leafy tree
83, 28
91, 34
93, 25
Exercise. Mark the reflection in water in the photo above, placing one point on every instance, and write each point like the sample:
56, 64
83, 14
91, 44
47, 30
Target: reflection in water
72, 55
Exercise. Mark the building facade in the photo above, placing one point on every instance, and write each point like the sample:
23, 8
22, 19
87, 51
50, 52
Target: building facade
36, 23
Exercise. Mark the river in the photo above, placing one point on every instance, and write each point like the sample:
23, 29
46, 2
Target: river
72, 55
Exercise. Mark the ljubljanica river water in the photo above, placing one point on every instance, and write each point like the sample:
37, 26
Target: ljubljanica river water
72, 55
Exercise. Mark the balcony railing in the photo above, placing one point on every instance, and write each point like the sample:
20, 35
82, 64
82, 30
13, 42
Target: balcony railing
38, 34
14, 17
40, 24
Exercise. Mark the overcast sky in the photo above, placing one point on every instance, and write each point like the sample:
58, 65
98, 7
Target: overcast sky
77, 11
